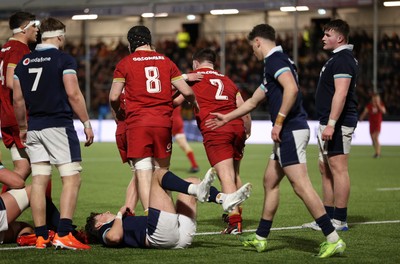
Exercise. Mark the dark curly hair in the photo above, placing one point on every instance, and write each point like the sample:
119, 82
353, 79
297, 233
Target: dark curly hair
91, 230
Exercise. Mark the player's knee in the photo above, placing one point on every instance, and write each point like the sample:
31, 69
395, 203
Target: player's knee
21, 196
143, 164
69, 169
41, 169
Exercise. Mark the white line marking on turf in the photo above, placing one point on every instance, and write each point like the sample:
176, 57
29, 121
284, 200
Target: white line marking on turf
300, 227
16, 248
388, 189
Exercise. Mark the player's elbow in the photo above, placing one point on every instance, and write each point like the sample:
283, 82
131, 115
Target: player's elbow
114, 238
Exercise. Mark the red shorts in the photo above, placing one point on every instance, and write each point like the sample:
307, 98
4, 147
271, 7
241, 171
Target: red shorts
374, 127
146, 142
221, 146
122, 145
11, 136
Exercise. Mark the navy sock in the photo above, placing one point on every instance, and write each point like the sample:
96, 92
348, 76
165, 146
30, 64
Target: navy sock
173, 183
52, 214
64, 227
42, 231
324, 222
213, 195
264, 227
340, 214
330, 210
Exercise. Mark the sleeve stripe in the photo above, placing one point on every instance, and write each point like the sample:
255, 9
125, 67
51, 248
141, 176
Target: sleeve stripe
118, 80
341, 75
69, 71
177, 78
280, 71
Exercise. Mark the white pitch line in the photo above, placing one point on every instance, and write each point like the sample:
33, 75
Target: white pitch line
16, 248
388, 189
300, 227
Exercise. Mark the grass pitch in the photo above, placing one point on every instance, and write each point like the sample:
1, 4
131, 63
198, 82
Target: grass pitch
374, 213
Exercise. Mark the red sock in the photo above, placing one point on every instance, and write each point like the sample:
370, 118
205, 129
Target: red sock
191, 158
48, 189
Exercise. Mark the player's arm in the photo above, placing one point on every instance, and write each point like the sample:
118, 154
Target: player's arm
186, 92
116, 233
249, 105
77, 101
10, 178
19, 109
10, 76
246, 118
114, 98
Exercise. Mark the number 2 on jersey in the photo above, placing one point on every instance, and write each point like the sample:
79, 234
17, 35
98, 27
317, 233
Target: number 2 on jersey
220, 89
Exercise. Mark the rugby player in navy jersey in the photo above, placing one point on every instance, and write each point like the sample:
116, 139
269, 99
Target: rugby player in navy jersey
167, 225
46, 88
336, 105
290, 134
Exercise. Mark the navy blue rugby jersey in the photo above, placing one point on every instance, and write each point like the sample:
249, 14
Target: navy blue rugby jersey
134, 231
41, 77
274, 65
342, 64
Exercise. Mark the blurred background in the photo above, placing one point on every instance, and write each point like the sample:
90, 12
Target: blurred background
96, 36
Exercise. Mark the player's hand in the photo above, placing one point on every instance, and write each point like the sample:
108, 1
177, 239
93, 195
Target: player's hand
275, 133
22, 136
327, 133
216, 122
193, 77
89, 136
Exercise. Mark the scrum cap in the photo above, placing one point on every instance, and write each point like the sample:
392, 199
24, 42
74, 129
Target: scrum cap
139, 36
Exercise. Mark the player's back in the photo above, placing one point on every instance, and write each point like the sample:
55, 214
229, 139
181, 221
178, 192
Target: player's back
215, 93
41, 77
148, 86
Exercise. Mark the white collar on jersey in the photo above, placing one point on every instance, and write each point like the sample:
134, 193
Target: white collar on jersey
43, 46
274, 49
346, 46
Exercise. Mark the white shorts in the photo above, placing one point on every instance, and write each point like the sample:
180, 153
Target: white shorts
174, 231
340, 143
3, 217
57, 145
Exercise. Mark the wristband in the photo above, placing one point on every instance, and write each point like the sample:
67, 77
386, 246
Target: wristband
119, 215
87, 124
185, 77
279, 119
332, 122
23, 130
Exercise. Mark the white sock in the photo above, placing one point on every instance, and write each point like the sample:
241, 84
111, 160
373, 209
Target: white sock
192, 190
332, 237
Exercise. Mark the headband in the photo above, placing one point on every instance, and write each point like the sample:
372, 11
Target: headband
54, 33
31, 23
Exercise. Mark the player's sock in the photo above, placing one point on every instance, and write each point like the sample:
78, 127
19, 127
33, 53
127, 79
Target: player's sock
64, 227
264, 227
330, 210
52, 214
340, 214
42, 231
213, 195
324, 222
190, 156
173, 183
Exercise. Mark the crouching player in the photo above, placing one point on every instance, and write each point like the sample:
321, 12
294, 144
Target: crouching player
167, 226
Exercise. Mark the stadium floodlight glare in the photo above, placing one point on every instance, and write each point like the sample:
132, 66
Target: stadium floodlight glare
148, 15
217, 12
293, 8
190, 17
321, 11
161, 15
85, 17
391, 3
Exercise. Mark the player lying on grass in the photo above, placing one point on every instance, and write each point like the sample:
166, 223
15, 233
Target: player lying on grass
167, 225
